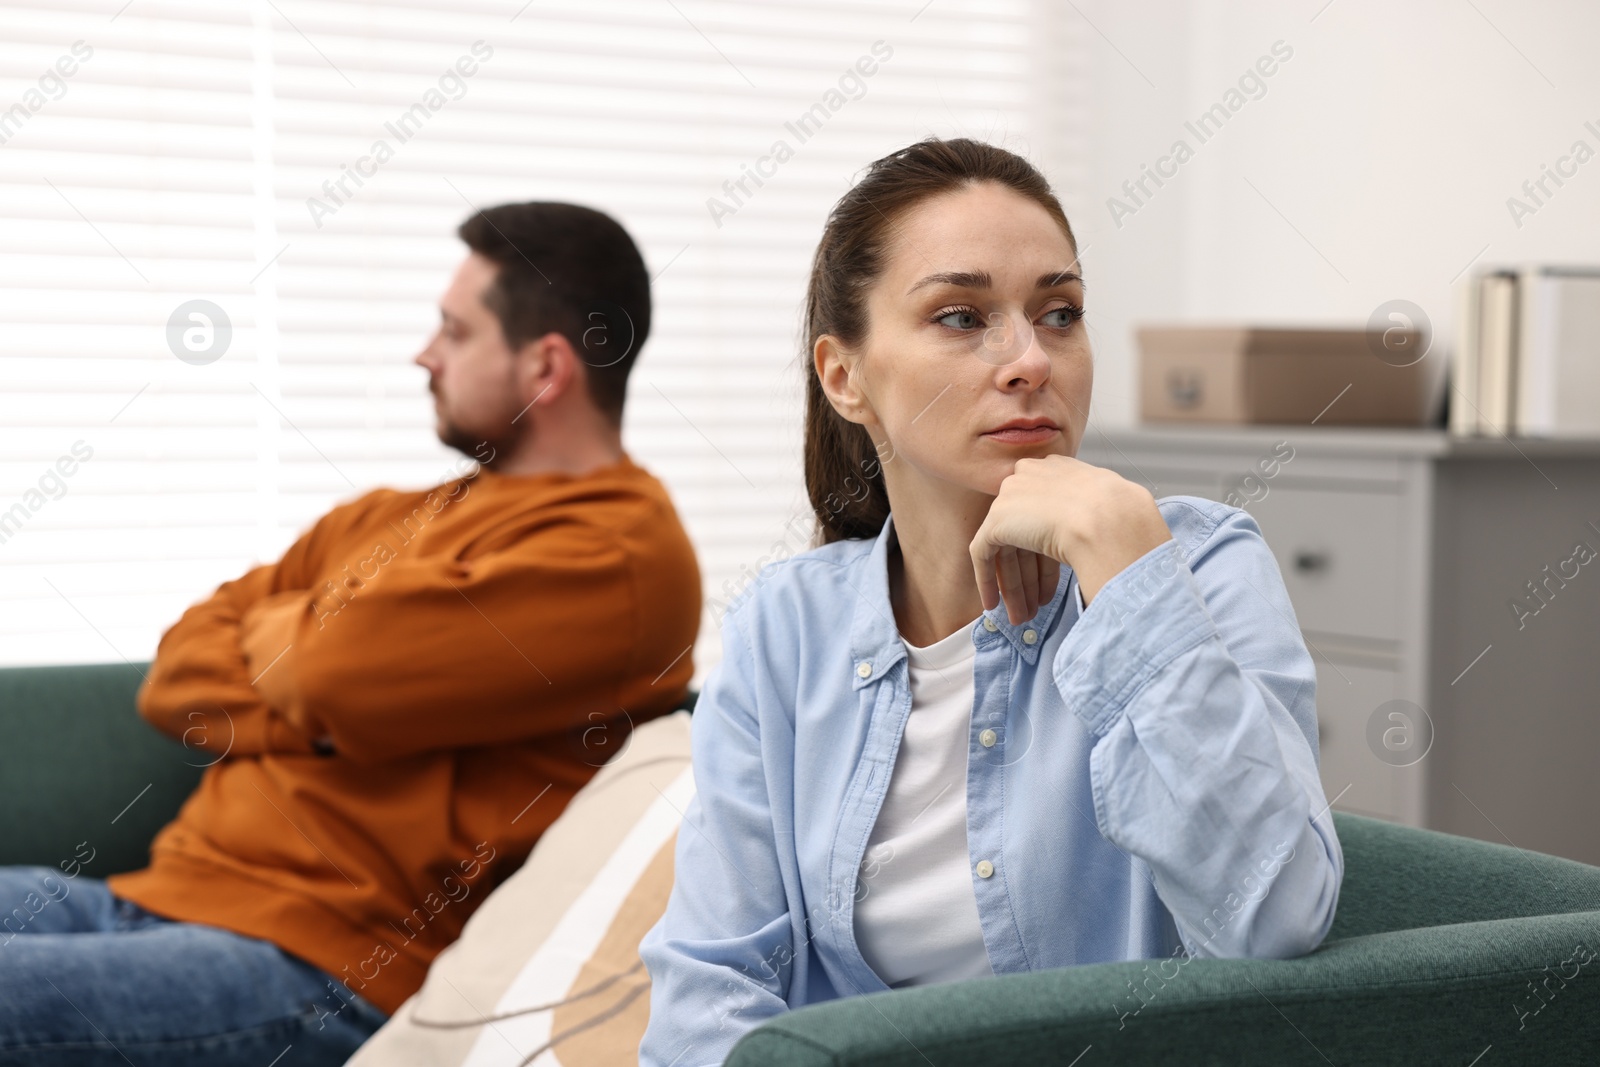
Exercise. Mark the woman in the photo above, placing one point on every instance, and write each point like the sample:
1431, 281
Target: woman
898, 782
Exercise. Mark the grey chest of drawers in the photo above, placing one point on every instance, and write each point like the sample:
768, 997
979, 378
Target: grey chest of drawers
1450, 596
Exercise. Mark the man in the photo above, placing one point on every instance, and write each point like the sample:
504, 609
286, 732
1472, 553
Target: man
397, 708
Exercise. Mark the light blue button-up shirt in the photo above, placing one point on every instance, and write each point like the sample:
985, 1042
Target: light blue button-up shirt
1151, 789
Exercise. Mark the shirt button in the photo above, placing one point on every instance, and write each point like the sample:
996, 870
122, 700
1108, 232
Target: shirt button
987, 739
864, 669
1029, 636
988, 624
985, 868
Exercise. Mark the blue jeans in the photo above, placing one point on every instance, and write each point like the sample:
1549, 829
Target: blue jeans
90, 979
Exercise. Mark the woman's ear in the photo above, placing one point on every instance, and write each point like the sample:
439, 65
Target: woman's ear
837, 370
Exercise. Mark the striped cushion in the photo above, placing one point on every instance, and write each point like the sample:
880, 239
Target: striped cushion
547, 970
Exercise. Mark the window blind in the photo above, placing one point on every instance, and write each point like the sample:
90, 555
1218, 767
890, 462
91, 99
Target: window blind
224, 228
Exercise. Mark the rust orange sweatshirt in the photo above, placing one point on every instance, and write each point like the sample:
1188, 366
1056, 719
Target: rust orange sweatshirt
447, 668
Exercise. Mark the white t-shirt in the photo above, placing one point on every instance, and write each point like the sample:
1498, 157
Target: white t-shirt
918, 922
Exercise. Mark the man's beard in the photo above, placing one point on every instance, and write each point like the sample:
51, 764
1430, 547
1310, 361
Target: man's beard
482, 450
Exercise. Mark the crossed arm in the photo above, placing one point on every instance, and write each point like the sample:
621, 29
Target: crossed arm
200, 689
434, 652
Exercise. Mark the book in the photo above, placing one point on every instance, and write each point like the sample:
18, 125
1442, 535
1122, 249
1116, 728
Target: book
1464, 412
1497, 352
1557, 389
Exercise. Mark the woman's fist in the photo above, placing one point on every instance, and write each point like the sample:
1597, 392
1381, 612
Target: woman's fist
1053, 510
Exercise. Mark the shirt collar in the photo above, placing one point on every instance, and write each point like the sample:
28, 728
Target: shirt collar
875, 644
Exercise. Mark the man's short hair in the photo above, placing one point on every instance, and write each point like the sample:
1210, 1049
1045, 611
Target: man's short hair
569, 270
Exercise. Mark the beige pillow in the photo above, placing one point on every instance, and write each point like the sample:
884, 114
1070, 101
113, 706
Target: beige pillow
548, 966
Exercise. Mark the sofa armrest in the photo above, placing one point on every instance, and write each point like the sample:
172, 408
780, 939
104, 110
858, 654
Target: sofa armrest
78, 765
1420, 996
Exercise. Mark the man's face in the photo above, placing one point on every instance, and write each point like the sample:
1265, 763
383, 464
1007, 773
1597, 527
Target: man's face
471, 369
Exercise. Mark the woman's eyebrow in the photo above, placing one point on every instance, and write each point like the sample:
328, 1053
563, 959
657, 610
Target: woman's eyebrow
966, 279
980, 279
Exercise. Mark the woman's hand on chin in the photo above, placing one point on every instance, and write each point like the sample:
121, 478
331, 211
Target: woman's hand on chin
1053, 510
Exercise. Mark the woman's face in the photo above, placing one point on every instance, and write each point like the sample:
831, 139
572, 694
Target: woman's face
974, 325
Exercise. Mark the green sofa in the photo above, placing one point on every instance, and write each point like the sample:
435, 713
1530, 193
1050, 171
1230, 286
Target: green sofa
78, 767
1445, 950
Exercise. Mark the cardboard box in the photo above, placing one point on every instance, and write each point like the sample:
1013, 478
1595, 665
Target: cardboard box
1242, 374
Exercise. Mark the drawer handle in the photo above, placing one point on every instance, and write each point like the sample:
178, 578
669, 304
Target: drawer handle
1312, 562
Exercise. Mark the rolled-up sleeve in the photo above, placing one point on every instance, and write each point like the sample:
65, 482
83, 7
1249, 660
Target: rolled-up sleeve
1189, 670
721, 955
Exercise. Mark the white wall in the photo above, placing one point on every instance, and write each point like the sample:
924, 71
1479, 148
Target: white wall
1390, 140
